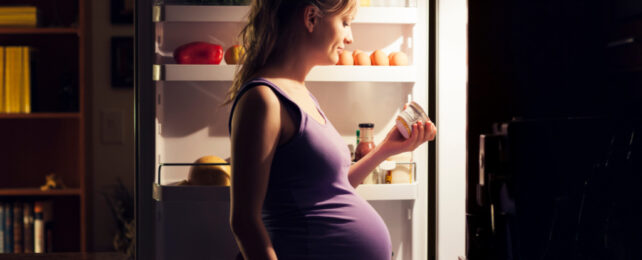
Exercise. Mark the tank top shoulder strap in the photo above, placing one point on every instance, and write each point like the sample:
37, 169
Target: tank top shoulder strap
294, 110
316, 103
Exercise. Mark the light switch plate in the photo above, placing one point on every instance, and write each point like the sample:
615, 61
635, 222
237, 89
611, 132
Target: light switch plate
111, 127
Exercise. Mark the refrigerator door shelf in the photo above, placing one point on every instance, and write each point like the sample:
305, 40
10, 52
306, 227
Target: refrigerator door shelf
182, 72
205, 13
388, 191
172, 192
169, 193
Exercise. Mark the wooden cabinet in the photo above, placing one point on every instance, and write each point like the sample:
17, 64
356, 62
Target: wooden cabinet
51, 138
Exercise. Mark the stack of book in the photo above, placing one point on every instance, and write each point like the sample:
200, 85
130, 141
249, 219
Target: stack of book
15, 79
25, 226
18, 16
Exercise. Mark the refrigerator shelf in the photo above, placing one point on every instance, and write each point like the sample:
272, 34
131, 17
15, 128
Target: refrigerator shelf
177, 72
388, 191
172, 192
222, 193
204, 13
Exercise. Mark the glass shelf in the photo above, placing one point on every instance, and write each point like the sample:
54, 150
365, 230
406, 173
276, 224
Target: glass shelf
334, 73
371, 192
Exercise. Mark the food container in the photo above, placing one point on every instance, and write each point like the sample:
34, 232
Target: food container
409, 116
402, 172
385, 167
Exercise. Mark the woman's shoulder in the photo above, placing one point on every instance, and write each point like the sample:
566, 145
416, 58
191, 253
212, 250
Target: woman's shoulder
260, 96
257, 107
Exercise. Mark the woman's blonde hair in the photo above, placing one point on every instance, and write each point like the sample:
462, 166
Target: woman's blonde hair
269, 31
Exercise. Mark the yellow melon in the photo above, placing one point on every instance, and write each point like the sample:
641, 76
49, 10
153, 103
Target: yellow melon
209, 174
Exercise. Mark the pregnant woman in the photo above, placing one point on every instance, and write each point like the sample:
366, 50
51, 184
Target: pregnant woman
293, 186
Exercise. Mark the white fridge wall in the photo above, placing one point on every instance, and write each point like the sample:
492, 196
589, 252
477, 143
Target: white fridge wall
361, 102
193, 123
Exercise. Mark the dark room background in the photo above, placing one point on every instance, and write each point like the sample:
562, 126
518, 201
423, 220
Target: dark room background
567, 74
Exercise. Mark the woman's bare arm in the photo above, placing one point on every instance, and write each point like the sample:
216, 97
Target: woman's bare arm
256, 125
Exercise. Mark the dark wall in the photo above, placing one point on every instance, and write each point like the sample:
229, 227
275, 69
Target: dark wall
534, 60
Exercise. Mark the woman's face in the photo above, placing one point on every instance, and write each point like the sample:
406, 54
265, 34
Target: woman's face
331, 36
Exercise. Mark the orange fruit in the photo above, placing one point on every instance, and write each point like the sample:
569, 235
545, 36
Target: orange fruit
398, 59
345, 58
234, 54
363, 59
379, 58
355, 52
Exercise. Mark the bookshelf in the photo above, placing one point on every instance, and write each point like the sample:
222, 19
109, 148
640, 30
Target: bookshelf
40, 115
50, 138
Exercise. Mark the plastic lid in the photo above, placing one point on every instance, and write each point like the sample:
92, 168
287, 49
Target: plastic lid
388, 165
419, 110
366, 125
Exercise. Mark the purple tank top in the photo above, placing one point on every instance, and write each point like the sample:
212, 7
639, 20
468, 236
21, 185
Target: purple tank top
310, 210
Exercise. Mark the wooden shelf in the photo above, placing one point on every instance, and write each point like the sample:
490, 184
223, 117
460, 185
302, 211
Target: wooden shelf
31, 30
67, 255
53, 138
35, 192
212, 13
41, 116
177, 72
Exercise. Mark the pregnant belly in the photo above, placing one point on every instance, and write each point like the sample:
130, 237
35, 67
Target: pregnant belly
351, 231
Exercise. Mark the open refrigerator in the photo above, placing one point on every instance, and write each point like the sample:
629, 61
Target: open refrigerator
184, 104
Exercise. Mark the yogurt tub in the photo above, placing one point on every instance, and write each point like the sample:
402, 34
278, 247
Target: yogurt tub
408, 117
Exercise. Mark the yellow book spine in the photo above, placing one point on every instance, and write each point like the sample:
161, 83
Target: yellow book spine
26, 82
17, 79
17, 16
8, 79
15, 82
18, 9
16, 13
17, 20
2, 109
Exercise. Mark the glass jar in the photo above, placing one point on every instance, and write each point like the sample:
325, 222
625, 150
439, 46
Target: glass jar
408, 117
366, 142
